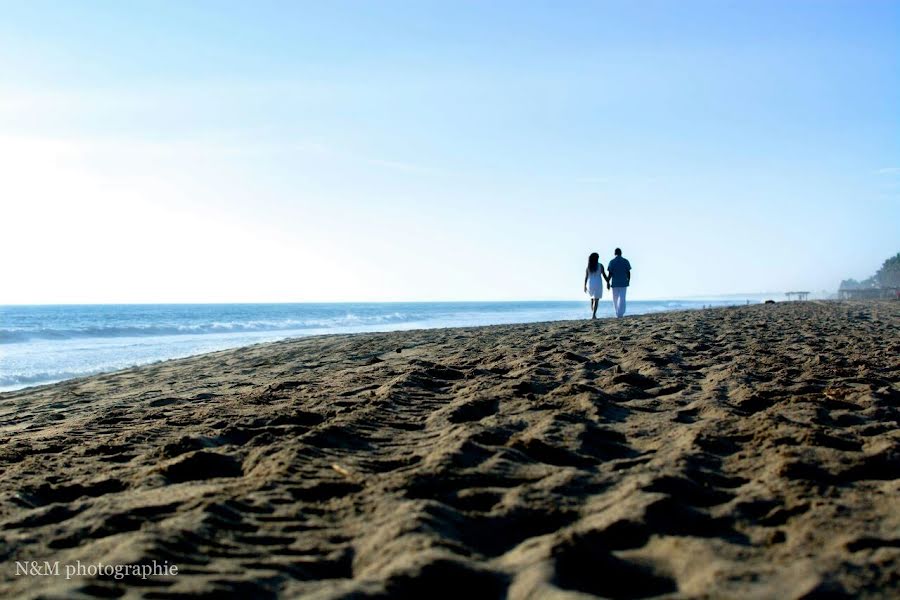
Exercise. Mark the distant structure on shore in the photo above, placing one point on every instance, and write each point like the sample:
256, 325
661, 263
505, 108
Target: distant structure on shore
883, 284
873, 293
800, 295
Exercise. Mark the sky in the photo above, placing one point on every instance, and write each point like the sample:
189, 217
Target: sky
376, 151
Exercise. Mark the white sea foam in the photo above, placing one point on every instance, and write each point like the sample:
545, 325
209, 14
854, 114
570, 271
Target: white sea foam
18, 335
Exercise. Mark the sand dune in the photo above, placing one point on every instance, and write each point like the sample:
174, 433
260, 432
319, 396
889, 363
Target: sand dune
742, 452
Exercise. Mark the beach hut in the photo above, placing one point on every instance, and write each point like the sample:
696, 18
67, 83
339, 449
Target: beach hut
872, 293
800, 295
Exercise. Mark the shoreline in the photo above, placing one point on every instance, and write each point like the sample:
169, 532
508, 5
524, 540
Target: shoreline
736, 451
292, 334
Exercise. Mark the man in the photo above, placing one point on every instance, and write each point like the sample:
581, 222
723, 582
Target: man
619, 271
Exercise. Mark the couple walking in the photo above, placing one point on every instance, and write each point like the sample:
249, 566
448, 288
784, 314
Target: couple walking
616, 276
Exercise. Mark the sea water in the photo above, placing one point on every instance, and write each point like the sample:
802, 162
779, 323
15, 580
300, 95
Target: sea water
45, 344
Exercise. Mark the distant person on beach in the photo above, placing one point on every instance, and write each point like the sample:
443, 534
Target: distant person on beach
594, 277
619, 270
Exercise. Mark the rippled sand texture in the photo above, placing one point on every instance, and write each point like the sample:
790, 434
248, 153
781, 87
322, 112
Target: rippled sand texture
743, 452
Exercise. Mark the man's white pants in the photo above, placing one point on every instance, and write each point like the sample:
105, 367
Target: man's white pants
619, 300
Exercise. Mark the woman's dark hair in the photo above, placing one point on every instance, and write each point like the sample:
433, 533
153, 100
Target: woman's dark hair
593, 262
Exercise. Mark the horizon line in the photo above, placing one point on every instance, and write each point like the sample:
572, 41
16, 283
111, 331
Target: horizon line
697, 297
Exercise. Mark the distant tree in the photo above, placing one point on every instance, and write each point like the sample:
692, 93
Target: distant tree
888, 276
852, 284
889, 273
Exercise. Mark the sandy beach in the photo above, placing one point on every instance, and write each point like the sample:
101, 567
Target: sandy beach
748, 452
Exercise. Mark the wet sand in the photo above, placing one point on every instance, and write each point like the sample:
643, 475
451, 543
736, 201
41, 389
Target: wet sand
739, 452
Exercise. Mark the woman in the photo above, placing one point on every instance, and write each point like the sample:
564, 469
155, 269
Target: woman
594, 278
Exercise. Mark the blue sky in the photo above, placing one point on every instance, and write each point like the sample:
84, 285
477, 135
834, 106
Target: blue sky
287, 151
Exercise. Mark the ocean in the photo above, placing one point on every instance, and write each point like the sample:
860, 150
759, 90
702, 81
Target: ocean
45, 344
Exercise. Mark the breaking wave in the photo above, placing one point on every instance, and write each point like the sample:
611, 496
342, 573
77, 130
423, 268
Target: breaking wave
12, 336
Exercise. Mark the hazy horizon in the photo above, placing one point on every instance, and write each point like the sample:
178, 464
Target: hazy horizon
419, 151
775, 295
